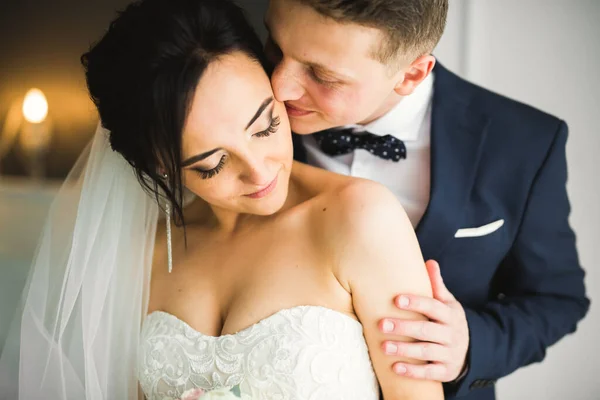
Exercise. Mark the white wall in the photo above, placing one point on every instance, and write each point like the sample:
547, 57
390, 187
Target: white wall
546, 53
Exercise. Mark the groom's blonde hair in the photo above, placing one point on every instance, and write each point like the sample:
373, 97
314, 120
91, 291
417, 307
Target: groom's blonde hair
411, 27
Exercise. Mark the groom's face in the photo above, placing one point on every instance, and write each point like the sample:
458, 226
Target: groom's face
326, 72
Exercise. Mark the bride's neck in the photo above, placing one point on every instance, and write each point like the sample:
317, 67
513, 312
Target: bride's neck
227, 222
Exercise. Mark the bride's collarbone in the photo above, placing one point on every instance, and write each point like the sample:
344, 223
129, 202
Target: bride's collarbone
248, 260
277, 257
219, 292
293, 229
291, 239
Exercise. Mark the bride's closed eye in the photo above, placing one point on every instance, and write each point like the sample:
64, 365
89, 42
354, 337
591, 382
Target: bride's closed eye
207, 174
272, 128
275, 121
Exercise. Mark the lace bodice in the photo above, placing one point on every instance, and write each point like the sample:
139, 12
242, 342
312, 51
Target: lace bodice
305, 352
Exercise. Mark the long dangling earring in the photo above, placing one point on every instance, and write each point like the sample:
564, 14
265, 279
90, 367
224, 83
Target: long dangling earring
168, 220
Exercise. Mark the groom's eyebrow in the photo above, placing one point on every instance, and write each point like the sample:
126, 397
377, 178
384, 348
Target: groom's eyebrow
316, 66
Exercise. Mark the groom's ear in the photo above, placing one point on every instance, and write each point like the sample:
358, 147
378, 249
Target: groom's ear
414, 74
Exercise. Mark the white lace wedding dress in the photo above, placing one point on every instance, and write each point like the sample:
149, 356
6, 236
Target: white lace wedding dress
303, 353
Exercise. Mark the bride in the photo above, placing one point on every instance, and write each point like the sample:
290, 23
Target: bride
187, 249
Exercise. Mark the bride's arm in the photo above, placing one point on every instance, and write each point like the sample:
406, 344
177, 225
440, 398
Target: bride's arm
378, 256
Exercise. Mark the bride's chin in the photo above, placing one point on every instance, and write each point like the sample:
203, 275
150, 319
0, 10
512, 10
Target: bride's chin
268, 208
270, 205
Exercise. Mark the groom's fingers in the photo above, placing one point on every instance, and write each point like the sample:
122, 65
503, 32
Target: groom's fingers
418, 351
431, 372
431, 308
440, 291
425, 331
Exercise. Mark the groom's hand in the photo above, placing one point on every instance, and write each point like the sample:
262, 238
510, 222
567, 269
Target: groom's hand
443, 341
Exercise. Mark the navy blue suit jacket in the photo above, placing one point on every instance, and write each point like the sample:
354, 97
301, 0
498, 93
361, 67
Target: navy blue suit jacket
521, 286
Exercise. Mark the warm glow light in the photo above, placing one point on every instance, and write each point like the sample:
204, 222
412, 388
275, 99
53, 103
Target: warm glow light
35, 106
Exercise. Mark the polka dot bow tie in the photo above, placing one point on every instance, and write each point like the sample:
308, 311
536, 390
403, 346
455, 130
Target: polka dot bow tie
335, 142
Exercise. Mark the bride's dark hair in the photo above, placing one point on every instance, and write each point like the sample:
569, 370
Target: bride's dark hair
143, 73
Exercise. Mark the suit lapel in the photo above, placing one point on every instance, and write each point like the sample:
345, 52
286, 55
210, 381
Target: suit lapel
458, 131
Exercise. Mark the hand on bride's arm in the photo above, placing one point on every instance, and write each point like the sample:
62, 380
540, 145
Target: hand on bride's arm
443, 341
379, 256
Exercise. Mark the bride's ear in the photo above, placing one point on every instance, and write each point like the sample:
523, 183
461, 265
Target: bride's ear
414, 74
161, 172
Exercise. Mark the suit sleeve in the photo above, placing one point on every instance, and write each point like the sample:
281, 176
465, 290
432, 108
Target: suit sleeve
540, 284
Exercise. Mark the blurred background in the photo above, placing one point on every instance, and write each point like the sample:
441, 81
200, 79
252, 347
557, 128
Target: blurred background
542, 52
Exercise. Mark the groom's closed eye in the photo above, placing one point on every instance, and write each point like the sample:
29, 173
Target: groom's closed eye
317, 77
324, 76
317, 72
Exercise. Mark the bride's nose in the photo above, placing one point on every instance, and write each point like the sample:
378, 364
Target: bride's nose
256, 172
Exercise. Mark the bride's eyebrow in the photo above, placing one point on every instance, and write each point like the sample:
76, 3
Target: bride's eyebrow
202, 156
260, 110
198, 157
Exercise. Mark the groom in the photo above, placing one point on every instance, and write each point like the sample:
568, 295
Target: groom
482, 179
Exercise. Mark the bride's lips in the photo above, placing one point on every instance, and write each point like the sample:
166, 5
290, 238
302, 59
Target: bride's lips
264, 191
295, 111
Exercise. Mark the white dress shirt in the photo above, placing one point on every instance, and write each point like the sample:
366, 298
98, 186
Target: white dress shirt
409, 178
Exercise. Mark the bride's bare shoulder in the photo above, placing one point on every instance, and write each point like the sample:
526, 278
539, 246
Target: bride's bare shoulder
316, 180
342, 200
322, 184
359, 203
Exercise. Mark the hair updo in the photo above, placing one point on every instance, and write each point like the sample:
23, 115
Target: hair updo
143, 73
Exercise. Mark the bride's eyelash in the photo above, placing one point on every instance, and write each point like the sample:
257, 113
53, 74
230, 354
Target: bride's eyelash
271, 129
211, 172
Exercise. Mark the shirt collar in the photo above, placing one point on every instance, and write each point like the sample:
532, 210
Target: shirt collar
404, 120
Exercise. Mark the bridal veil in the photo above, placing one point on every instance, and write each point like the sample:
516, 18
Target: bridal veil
75, 334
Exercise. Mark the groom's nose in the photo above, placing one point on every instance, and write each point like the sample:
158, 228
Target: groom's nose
287, 83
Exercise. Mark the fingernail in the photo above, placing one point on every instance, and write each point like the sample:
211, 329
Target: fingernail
403, 302
400, 369
388, 326
391, 348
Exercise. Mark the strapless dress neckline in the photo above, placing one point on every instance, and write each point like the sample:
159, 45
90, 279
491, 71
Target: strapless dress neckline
297, 353
165, 314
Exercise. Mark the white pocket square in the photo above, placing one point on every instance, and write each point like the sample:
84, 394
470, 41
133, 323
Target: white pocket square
479, 231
